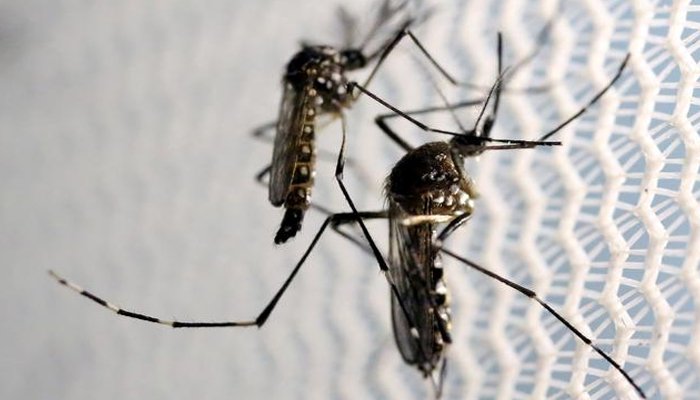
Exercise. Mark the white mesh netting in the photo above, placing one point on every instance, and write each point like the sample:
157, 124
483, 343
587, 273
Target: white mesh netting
128, 164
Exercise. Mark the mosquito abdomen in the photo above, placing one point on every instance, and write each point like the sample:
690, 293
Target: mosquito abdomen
299, 195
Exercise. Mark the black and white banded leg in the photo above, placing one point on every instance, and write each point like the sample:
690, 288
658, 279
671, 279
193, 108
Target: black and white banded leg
332, 220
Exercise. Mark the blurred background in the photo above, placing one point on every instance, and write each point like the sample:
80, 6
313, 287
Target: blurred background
127, 165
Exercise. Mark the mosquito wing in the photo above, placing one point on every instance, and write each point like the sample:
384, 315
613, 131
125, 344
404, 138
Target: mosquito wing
290, 124
415, 272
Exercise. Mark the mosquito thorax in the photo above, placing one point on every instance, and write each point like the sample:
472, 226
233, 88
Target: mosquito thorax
429, 176
321, 70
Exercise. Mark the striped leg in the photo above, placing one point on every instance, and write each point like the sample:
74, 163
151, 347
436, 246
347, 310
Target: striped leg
144, 317
332, 220
532, 295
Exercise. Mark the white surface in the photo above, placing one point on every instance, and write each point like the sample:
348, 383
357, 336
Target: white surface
127, 166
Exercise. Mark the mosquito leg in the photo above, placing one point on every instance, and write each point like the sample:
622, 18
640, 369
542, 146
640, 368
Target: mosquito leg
532, 295
392, 45
590, 102
439, 381
351, 218
260, 176
144, 317
321, 209
261, 132
381, 123
333, 219
542, 37
381, 120
384, 54
389, 48
388, 11
452, 226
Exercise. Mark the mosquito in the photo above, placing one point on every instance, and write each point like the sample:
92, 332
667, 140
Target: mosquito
429, 188
314, 84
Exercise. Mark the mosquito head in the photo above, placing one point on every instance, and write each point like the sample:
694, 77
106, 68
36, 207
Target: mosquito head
467, 145
353, 59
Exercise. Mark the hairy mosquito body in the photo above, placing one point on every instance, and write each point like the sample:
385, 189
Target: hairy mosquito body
424, 188
429, 188
315, 84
